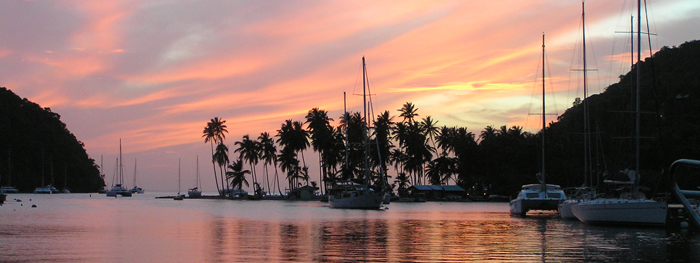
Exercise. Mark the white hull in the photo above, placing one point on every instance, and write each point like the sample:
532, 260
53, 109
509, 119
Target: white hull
118, 191
565, 209
621, 211
532, 197
46, 190
357, 199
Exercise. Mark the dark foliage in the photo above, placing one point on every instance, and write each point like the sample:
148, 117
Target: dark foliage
34, 139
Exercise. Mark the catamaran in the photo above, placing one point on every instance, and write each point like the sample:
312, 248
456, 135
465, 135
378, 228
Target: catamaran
541, 196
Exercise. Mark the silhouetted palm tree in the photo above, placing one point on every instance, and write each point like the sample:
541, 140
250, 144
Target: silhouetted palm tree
237, 175
268, 154
288, 163
408, 112
321, 133
430, 129
215, 132
221, 158
249, 150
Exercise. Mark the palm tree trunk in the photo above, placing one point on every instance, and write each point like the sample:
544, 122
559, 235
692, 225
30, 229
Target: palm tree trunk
277, 178
214, 167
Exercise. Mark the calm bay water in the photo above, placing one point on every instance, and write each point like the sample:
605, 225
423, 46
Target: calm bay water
84, 228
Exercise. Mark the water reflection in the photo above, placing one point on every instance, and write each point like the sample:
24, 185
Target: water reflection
82, 229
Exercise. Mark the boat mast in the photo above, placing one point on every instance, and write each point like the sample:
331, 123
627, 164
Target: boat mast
121, 172
364, 128
134, 172
639, 80
544, 184
198, 180
588, 178
345, 116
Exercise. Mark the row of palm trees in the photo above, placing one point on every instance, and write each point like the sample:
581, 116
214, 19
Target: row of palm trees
419, 151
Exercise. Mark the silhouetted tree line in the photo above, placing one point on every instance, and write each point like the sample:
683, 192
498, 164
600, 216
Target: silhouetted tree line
32, 140
415, 151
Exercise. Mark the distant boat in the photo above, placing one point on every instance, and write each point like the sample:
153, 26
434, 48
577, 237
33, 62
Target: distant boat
136, 189
540, 196
631, 209
353, 195
195, 192
9, 189
178, 196
49, 189
118, 188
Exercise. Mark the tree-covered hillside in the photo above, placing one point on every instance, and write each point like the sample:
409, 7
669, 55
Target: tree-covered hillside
670, 121
33, 140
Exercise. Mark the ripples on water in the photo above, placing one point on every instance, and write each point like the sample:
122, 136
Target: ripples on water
84, 228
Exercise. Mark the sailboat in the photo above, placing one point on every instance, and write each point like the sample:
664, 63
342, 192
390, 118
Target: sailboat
541, 196
136, 189
633, 209
49, 189
584, 192
118, 188
9, 189
195, 191
354, 195
178, 196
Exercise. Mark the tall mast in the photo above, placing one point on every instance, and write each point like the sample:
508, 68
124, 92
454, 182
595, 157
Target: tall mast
345, 116
364, 130
121, 172
198, 180
639, 80
544, 184
134, 172
586, 124
178, 176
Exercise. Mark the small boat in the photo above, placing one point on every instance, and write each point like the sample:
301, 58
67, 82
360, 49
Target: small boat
195, 192
540, 196
119, 188
8, 190
355, 195
49, 189
179, 196
136, 189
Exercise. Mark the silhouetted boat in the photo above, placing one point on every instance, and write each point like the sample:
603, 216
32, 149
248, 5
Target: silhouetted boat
353, 195
195, 192
631, 209
540, 196
118, 188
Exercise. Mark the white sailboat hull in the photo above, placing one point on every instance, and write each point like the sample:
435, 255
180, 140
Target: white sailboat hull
565, 209
621, 211
357, 199
532, 197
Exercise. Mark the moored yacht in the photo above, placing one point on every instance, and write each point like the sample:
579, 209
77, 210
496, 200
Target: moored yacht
540, 196
537, 197
354, 195
632, 208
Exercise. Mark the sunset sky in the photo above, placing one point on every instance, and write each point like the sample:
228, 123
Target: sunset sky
153, 73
